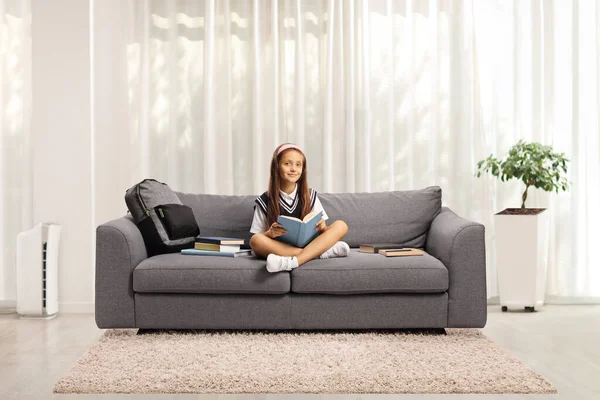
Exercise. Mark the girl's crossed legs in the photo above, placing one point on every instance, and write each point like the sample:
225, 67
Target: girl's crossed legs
263, 245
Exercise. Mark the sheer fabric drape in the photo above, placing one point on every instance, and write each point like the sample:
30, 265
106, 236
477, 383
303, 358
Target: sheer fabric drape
15, 138
382, 95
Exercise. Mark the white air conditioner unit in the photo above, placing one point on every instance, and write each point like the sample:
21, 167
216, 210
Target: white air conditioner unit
37, 271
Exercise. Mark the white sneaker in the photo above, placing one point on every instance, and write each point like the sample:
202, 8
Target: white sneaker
277, 263
340, 249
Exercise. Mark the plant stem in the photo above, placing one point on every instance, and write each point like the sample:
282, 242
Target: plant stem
525, 196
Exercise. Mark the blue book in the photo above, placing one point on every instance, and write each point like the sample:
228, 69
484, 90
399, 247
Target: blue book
194, 252
299, 232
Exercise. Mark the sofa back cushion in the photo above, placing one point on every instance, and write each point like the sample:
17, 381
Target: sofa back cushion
221, 215
396, 217
385, 217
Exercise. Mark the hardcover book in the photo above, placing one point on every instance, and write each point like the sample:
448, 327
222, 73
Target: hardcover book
401, 252
300, 232
194, 252
375, 247
219, 240
217, 247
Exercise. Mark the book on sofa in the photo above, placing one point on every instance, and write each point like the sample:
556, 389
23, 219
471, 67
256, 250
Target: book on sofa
300, 232
219, 240
375, 247
403, 252
194, 252
217, 247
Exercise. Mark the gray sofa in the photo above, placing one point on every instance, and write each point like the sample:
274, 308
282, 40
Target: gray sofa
444, 288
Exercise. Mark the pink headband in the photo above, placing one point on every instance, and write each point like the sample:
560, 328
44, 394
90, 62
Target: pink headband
287, 147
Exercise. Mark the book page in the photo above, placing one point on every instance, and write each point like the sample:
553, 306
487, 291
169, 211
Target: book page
292, 218
310, 215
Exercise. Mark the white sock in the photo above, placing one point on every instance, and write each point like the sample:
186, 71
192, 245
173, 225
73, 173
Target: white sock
340, 249
277, 263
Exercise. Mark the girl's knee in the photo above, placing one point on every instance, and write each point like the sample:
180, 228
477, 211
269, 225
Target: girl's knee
342, 226
256, 239
256, 244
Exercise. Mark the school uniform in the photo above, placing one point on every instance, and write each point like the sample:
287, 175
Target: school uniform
289, 205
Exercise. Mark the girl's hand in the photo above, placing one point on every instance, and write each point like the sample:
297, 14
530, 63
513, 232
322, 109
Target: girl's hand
275, 230
321, 226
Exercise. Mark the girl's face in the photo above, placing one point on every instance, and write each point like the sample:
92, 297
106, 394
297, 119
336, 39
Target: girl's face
290, 166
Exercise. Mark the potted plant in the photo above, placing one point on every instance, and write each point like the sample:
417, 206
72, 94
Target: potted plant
522, 233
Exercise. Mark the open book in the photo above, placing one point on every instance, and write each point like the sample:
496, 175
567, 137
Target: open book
300, 232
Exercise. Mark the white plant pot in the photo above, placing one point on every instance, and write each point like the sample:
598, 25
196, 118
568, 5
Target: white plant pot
522, 259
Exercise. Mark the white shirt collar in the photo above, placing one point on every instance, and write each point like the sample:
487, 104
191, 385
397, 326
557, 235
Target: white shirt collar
291, 195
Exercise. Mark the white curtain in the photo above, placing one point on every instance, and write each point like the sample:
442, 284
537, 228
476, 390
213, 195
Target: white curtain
15, 134
382, 95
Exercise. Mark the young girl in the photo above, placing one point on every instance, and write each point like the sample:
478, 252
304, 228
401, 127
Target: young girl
290, 195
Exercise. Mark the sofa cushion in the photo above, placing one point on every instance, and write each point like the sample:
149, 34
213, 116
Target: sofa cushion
175, 273
371, 273
221, 215
399, 217
386, 217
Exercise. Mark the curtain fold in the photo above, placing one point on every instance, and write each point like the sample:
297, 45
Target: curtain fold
16, 200
382, 95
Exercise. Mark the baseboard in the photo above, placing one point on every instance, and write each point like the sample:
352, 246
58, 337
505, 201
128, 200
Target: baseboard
556, 300
76, 307
8, 306
572, 300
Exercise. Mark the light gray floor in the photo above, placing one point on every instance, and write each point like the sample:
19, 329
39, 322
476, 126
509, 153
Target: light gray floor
560, 342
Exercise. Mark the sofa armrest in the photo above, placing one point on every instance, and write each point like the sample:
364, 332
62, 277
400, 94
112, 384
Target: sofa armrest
460, 245
119, 249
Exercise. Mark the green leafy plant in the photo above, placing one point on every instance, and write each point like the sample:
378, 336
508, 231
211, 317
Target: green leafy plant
534, 164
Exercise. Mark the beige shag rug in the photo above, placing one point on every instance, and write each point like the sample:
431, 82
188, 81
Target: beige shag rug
463, 361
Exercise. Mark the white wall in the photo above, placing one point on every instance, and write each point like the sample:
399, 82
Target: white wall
61, 141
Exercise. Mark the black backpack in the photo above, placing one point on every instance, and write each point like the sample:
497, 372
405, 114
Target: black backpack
167, 225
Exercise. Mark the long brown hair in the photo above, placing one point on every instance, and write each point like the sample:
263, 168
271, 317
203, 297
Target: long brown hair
274, 186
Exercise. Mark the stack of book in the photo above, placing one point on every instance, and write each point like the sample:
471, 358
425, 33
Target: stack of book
217, 246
